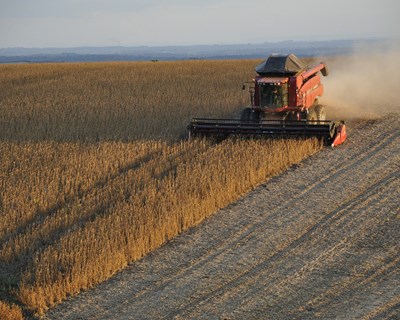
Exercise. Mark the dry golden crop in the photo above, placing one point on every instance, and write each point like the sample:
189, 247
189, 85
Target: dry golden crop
10, 312
95, 172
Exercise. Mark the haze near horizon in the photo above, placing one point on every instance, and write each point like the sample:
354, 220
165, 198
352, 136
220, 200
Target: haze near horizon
75, 23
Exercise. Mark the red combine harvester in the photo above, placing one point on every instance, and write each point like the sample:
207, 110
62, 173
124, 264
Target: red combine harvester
284, 103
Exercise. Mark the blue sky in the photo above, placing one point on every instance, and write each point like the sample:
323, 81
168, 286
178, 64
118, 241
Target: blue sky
69, 23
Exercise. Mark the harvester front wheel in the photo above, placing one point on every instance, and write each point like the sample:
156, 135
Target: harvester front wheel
246, 114
320, 112
311, 115
255, 116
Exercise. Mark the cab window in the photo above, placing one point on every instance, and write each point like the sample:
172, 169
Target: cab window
274, 95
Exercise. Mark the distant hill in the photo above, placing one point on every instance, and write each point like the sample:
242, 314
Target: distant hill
167, 53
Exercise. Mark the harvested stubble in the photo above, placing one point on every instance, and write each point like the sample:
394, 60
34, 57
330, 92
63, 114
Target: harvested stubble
93, 175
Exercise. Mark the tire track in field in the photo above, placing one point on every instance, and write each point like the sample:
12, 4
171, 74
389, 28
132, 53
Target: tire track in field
248, 276
378, 276
388, 311
324, 256
344, 222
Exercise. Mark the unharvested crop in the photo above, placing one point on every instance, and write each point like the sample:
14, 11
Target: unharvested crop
94, 173
10, 312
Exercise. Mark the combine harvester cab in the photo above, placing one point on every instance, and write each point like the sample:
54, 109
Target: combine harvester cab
284, 103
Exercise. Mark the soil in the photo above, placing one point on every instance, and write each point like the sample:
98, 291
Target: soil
320, 241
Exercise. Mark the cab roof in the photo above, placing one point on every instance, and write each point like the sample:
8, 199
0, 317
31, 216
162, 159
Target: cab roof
287, 65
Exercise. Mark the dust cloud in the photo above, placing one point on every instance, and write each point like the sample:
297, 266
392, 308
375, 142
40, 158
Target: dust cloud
363, 85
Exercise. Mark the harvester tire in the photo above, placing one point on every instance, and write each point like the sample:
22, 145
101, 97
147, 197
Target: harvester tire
320, 112
246, 114
255, 116
311, 115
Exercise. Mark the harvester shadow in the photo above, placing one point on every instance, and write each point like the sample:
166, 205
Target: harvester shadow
51, 235
58, 232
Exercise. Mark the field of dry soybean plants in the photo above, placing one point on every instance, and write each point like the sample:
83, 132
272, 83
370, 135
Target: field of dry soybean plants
95, 170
